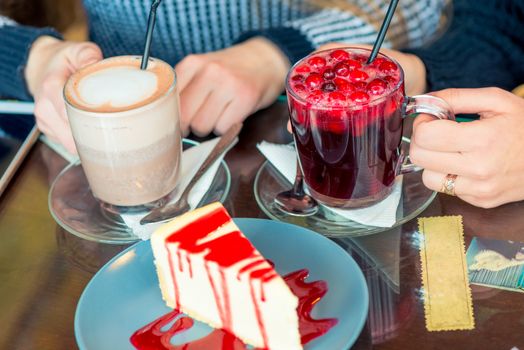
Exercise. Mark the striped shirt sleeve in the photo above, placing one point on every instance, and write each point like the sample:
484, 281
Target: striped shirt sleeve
15, 44
357, 22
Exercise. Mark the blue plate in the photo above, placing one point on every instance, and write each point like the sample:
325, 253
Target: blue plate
124, 295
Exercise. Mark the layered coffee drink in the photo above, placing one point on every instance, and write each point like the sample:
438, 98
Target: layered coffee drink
125, 123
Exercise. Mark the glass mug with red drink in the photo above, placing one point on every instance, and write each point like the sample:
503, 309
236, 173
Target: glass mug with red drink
347, 120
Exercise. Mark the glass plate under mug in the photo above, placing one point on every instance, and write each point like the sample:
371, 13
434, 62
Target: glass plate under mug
269, 182
75, 209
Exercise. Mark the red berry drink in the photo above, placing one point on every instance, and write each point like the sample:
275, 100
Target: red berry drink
347, 123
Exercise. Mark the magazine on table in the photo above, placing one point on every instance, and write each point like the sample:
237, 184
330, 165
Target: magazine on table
496, 263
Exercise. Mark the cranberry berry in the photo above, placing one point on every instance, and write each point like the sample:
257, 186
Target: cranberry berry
353, 64
339, 55
343, 85
378, 61
317, 62
360, 58
388, 67
303, 68
336, 98
376, 87
298, 78
314, 80
329, 87
328, 74
299, 88
358, 75
360, 85
315, 97
342, 69
359, 97
390, 79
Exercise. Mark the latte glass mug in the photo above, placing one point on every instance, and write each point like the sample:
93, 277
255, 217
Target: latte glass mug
130, 149
347, 121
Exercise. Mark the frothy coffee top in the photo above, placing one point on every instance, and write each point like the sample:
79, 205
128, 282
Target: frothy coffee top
118, 84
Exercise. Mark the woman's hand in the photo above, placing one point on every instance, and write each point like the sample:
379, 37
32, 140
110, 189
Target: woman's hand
221, 88
51, 62
487, 154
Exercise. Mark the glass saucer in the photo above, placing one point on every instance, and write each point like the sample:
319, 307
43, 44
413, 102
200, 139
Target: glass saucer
75, 209
269, 182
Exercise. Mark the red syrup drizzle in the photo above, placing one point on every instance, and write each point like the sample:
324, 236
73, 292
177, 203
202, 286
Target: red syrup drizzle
309, 294
226, 250
151, 337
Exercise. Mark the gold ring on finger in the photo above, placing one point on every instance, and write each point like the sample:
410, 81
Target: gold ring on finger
448, 185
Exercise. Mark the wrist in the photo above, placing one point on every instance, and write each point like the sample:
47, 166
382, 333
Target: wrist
274, 65
39, 55
270, 52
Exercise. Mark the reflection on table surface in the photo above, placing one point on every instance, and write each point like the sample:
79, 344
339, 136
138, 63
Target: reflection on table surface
43, 269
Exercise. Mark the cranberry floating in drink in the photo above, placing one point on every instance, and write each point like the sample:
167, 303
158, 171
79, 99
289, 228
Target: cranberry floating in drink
346, 117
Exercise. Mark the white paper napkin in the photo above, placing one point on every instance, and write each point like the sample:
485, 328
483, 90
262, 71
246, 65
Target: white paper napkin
192, 159
382, 214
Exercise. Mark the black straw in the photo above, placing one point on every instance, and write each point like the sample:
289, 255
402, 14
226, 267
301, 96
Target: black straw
383, 30
149, 34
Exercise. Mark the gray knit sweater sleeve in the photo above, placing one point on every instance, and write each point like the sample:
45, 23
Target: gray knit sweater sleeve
484, 46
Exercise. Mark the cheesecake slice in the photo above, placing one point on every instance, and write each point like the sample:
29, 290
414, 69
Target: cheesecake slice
209, 270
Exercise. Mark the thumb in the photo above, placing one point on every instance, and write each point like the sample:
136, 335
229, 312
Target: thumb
83, 54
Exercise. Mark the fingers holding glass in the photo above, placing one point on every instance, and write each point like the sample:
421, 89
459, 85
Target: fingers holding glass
446, 135
50, 113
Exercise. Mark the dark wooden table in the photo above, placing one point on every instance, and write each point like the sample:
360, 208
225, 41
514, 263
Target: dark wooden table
43, 269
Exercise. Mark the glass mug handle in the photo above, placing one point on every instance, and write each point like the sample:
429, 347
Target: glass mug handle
426, 104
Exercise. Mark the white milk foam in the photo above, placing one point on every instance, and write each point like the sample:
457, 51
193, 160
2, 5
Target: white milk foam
117, 86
